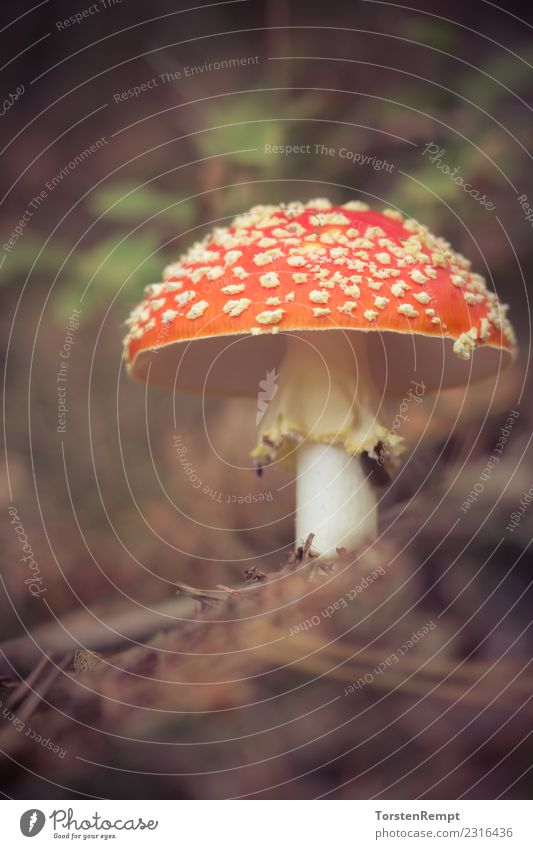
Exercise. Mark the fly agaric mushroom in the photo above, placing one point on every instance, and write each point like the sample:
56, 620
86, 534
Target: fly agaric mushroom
342, 305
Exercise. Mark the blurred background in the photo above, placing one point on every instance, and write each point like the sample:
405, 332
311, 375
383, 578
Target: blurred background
129, 131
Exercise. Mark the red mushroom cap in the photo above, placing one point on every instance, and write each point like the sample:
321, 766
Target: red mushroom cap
315, 266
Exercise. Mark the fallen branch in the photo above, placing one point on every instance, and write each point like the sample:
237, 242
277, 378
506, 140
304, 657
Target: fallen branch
110, 631
105, 631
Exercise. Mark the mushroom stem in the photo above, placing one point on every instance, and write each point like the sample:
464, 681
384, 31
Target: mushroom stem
325, 414
334, 499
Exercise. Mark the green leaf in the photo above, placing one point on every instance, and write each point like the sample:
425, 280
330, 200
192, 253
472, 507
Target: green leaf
128, 202
435, 33
120, 265
20, 260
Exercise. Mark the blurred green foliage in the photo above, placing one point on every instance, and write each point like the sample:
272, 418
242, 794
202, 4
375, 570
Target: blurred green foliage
139, 222
126, 202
